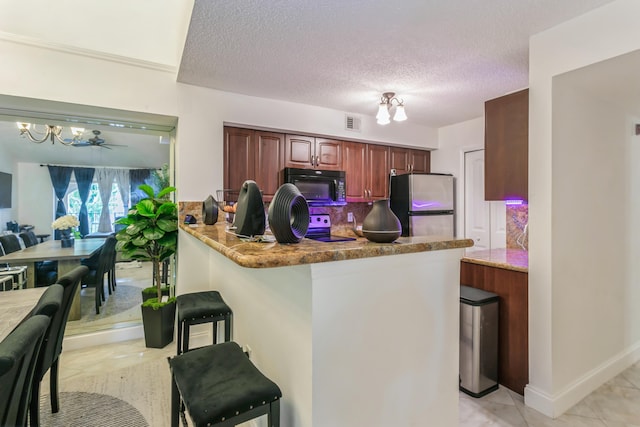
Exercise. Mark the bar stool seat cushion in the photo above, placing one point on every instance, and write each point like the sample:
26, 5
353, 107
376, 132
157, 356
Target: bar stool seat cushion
201, 305
218, 382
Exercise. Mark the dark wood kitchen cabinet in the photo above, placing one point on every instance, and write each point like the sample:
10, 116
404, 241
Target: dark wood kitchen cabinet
506, 144
255, 155
406, 160
366, 167
513, 318
307, 152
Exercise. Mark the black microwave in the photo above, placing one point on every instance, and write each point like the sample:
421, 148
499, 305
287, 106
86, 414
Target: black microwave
319, 187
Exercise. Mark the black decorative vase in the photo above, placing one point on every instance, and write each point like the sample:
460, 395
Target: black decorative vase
209, 211
158, 325
288, 214
250, 219
381, 225
66, 239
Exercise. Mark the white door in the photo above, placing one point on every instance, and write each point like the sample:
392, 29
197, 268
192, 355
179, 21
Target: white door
484, 221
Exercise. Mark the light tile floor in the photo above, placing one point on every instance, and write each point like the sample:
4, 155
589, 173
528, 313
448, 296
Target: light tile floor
615, 404
140, 375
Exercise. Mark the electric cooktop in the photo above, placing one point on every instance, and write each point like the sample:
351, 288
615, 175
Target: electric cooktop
320, 230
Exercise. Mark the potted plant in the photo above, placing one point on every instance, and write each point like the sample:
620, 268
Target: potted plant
151, 234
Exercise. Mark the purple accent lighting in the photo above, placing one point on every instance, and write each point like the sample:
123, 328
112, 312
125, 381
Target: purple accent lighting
421, 205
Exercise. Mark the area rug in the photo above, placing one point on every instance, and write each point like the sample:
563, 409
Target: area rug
122, 299
79, 409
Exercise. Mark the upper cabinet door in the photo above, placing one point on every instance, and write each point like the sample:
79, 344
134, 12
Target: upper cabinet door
399, 160
406, 160
354, 160
328, 154
307, 152
378, 171
420, 161
269, 158
506, 143
299, 151
238, 159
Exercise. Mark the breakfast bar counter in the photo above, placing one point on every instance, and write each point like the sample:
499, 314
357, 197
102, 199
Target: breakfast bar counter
354, 333
258, 254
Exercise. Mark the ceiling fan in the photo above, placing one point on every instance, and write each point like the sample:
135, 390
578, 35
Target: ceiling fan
96, 141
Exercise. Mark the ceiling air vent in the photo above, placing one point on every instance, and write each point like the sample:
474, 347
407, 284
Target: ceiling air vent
352, 123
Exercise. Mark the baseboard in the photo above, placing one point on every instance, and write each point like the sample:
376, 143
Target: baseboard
109, 336
557, 404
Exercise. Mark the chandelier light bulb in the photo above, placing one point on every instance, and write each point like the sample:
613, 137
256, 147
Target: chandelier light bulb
400, 115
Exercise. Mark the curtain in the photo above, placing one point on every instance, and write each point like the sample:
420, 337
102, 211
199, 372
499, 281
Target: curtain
122, 179
105, 177
136, 178
60, 177
84, 178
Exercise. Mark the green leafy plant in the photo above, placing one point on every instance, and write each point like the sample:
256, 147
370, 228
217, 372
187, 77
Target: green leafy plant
151, 232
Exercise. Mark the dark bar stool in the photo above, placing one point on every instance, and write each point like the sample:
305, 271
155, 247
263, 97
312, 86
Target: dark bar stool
201, 307
219, 386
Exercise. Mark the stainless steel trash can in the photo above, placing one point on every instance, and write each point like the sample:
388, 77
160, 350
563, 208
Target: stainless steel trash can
478, 341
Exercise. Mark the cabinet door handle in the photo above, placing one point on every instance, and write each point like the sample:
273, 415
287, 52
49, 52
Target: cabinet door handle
317, 160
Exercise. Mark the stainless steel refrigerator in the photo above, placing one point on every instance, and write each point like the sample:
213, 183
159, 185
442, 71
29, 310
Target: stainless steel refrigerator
424, 203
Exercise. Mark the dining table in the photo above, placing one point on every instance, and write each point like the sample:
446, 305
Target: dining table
16, 306
68, 258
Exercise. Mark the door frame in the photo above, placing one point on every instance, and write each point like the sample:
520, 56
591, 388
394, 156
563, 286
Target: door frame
462, 188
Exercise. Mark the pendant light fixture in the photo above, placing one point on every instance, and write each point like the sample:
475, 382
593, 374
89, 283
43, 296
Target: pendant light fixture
50, 132
384, 114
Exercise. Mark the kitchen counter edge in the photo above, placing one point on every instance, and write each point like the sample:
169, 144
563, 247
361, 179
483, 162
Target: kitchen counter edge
268, 255
508, 259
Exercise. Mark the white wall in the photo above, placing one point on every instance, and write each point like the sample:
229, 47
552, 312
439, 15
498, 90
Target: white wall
454, 140
36, 201
201, 113
581, 324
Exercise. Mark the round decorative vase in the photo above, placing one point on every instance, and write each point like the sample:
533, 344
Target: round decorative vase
66, 239
288, 214
209, 211
381, 225
250, 218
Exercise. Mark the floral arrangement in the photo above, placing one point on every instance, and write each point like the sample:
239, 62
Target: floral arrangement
65, 222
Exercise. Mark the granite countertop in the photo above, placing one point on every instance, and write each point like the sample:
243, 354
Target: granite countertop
509, 259
272, 254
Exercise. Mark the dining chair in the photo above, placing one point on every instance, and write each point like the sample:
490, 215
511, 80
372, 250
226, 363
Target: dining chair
96, 275
52, 345
29, 238
18, 356
47, 270
18, 273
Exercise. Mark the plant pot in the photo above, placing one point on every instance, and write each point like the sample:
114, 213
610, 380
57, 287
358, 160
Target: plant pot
154, 293
158, 325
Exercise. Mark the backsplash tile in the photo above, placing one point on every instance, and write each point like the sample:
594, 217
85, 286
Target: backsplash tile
517, 221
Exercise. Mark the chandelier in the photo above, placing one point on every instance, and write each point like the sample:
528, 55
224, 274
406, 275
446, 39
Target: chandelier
50, 132
386, 102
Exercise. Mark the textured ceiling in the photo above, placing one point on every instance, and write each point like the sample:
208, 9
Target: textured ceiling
443, 57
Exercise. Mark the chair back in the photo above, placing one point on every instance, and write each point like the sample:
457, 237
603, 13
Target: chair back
50, 305
10, 243
18, 355
29, 238
69, 282
107, 257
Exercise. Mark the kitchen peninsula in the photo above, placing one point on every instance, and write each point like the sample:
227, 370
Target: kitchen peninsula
354, 333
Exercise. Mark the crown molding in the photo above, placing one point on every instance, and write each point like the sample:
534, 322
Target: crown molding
89, 53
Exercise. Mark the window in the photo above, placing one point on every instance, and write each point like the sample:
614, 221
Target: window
94, 204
